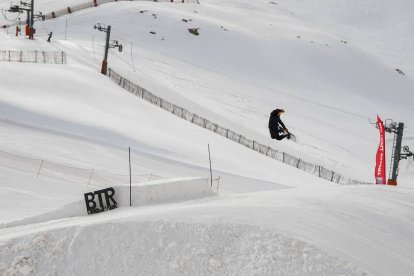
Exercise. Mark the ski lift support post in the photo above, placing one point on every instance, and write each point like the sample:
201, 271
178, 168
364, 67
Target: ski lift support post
113, 44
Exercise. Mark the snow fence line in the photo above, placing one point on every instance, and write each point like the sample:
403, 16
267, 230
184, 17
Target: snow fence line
54, 57
93, 3
41, 168
286, 158
150, 193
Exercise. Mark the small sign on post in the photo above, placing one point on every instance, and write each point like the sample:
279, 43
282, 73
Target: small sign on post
94, 207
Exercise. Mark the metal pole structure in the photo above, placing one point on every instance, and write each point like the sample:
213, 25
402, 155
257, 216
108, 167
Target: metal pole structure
211, 173
101, 27
396, 155
130, 178
105, 61
31, 20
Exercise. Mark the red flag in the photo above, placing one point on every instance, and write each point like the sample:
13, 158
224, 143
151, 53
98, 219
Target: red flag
380, 164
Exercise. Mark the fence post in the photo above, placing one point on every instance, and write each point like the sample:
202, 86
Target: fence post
211, 172
41, 164
9, 56
333, 173
130, 177
297, 165
283, 157
90, 177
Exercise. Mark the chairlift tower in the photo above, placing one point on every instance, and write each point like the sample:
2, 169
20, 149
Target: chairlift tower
114, 44
29, 9
396, 156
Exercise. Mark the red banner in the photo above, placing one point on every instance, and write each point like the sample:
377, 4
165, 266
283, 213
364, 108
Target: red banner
380, 174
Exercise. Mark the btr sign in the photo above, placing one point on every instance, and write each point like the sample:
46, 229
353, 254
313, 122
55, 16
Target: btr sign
96, 207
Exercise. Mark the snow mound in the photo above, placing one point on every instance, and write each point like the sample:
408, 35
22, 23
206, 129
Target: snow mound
156, 192
166, 248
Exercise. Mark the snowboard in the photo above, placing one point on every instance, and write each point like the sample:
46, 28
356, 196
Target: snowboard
292, 137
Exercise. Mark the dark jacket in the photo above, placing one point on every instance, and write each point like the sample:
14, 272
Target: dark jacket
275, 123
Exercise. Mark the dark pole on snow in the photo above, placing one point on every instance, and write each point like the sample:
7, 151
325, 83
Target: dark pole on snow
114, 44
130, 177
107, 30
395, 158
31, 29
105, 61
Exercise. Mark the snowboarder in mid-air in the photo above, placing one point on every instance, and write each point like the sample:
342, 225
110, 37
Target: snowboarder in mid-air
277, 128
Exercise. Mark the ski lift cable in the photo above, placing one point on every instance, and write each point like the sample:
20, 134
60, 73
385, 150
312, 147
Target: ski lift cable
44, 27
93, 46
5, 16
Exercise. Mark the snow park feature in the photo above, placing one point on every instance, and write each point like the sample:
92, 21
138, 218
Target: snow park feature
178, 127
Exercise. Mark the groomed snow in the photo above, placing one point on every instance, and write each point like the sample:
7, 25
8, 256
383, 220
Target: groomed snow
163, 248
66, 129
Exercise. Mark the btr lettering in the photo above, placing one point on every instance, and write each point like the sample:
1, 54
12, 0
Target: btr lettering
91, 205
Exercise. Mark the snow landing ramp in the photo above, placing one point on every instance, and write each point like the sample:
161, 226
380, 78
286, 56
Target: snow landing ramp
146, 247
151, 193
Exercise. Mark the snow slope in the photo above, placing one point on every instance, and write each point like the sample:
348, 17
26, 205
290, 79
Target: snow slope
250, 57
89, 130
159, 248
250, 234
330, 89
